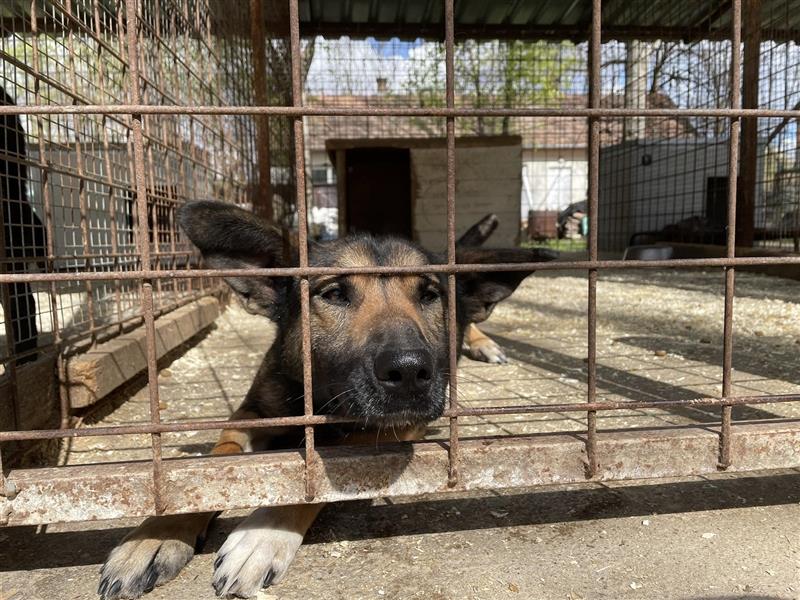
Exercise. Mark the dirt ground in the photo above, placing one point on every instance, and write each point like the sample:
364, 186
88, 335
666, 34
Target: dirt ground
659, 337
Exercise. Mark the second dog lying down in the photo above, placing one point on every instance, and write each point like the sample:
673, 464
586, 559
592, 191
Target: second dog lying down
477, 345
379, 354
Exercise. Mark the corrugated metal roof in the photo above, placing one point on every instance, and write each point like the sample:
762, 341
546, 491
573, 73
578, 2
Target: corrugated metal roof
489, 19
546, 19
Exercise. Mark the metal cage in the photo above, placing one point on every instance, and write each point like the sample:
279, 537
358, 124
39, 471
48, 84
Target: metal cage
212, 131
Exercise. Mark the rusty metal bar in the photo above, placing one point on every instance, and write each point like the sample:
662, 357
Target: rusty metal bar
61, 171
3, 488
152, 215
42, 78
302, 223
152, 141
262, 203
143, 243
453, 350
581, 265
47, 199
152, 387
593, 192
112, 208
71, 18
148, 428
730, 246
114, 255
333, 111
80, 172
91, 492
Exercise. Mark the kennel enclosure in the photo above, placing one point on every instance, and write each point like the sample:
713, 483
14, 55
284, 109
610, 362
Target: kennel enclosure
130, 108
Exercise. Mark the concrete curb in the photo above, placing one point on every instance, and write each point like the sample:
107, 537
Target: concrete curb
92, 375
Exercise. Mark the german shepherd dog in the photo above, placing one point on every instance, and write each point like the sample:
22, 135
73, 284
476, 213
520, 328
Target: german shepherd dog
379, 354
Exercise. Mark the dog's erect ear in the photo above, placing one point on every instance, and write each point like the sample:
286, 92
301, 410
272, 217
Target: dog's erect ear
479, 293
231, 238
479, 233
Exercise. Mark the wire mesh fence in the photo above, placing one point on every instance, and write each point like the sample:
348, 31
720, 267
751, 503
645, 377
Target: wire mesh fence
70, 194
116, 113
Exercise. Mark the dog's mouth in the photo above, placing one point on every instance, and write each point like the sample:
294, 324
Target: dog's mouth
361, 398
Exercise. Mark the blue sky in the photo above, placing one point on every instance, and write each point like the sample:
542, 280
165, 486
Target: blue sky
394, 47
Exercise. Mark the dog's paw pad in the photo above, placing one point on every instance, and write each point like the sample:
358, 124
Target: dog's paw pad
252, 559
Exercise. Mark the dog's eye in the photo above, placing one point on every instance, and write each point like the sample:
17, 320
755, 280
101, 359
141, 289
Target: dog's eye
336, 295
429, 295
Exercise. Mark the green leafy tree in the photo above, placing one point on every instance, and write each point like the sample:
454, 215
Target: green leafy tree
496, 74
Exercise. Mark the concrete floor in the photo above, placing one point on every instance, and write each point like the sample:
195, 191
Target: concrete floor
659, 336
718, 538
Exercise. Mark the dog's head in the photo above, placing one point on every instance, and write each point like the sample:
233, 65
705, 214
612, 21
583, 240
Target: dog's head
379, 342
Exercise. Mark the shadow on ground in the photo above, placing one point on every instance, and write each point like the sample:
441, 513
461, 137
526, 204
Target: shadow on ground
28, 548
626, 384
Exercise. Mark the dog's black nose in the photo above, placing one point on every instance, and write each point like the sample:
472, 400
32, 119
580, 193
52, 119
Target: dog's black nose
401, 371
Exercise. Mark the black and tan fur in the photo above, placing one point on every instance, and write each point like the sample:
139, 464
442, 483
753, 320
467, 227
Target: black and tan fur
380, 354
477, 345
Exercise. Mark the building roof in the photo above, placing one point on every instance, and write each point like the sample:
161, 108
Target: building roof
478, 19
536, 132
541, 19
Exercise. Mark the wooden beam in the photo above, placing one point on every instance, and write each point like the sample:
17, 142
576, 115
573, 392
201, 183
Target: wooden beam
748, 155
341, 189
262, 197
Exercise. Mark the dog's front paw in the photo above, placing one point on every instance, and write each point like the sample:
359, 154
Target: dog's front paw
486, 350
256, 555
152, 554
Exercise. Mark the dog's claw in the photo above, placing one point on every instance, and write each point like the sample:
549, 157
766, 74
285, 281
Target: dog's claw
114, 589
219, 585
150, 579
268, 579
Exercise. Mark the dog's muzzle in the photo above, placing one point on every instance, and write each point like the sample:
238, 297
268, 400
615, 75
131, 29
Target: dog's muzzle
404, 372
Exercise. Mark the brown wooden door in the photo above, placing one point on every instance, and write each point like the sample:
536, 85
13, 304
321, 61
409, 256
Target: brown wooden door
378, 192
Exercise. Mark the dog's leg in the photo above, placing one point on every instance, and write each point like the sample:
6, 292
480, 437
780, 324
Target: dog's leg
258, 553
159, 548
481, 347
260, 550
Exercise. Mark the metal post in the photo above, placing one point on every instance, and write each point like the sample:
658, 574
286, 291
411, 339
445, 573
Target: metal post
730, 249
593, 191
449, 26
311, 458
262, 199
131, 25
747, 97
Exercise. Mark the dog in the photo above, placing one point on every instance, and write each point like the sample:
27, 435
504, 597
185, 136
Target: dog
25, 236
380, 355
477, 345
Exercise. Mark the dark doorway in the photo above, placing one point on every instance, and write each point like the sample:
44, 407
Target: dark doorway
378, 192
717, 202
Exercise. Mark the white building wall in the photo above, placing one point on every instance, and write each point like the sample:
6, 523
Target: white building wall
646, 186
488, 180
552, 179
673, 186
